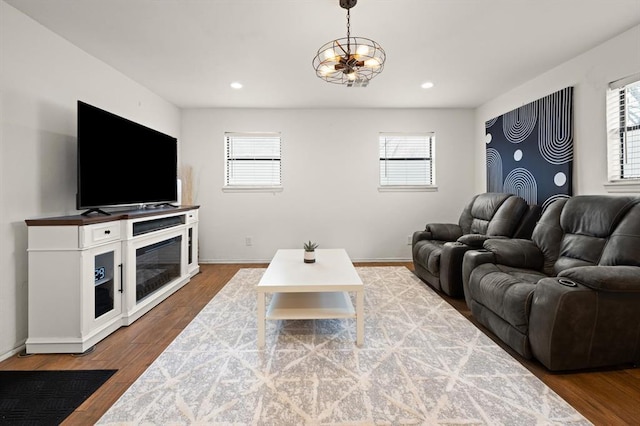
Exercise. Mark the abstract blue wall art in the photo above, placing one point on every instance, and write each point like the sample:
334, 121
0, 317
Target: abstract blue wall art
530, 150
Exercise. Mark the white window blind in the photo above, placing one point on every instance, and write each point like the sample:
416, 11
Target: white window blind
252, 160
623, 129
406, 159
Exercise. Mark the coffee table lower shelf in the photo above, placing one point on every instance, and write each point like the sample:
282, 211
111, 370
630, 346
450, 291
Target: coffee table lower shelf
310, 305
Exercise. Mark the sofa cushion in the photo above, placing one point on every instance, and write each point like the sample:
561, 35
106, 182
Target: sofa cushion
624, 244
592, 215
485, 205
480, 210
587, 223
579, 250
506, 291
479, 226
547, 234
508, 217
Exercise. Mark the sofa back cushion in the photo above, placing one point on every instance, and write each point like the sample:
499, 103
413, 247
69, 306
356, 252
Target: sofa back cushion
587, 223
492, 213
548, 234
623, 247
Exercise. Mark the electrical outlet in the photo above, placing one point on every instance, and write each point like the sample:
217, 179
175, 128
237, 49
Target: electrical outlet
248, 241
408, 240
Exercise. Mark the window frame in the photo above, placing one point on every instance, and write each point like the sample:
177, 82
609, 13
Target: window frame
427, 187
617, 130
250, 187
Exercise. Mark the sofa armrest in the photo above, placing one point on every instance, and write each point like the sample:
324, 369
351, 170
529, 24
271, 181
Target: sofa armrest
518, 253
451, 259
606, 278
475, 241
419, 236
572, 326
470, 261
444, 231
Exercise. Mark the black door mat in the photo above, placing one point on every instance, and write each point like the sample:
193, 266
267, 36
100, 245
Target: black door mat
45, 397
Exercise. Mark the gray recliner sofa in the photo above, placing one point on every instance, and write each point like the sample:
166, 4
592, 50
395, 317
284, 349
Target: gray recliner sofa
570, 296
438, 250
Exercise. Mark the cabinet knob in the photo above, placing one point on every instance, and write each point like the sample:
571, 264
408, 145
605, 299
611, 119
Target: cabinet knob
107, 232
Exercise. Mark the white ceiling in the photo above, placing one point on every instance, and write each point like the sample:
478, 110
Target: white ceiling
189, 51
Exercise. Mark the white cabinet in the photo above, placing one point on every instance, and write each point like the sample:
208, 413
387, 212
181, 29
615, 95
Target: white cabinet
88, 276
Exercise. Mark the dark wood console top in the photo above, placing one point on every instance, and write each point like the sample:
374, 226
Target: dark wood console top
79, 220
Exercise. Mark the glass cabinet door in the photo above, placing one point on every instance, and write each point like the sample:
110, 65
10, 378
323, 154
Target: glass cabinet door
192, 249
107, 281
104, 284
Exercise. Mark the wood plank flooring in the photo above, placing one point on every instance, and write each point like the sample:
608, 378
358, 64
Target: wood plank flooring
605, 397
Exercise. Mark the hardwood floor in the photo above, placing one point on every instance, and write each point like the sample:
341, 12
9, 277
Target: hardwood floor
606, 397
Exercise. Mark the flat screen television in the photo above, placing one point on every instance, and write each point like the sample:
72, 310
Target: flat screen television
123, 163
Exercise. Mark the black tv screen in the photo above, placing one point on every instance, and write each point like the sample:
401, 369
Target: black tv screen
123, 163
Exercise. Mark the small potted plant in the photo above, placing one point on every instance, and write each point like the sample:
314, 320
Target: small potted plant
310, 252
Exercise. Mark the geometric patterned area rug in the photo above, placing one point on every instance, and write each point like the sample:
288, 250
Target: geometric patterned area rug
422, 362
45, 397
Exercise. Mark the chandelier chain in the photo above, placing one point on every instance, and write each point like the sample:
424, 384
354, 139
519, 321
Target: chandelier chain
348, 32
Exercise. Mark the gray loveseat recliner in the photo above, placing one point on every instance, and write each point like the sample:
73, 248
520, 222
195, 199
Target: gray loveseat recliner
570, 296
439, 249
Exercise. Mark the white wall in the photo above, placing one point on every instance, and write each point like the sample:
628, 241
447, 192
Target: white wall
42, 77
330, 179
590, 75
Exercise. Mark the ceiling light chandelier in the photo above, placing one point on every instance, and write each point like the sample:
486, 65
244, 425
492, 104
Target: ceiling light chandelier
350, 60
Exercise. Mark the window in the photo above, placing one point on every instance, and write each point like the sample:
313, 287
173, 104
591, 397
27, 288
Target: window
252, 160
406, 160
623, 129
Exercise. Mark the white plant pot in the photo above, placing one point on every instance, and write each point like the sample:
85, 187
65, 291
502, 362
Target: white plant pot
309, 256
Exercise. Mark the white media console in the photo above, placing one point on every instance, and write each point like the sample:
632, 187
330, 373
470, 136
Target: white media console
90, 275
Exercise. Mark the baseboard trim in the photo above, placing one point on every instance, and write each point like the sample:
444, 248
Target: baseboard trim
243, 261
12, 352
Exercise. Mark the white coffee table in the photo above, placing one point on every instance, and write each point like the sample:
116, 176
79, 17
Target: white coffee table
310, 290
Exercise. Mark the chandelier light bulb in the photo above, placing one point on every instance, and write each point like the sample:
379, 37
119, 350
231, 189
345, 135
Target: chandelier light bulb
326, 69
329, 55
372, 63
362, 50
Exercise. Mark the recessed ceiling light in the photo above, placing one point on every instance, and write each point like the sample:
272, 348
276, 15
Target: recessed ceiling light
236, 85
427, 85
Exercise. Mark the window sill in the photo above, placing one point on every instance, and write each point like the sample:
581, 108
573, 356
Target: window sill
631, 185
408, 188
252, 189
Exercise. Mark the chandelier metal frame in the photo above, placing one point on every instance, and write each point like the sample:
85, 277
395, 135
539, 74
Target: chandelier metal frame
353, 61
